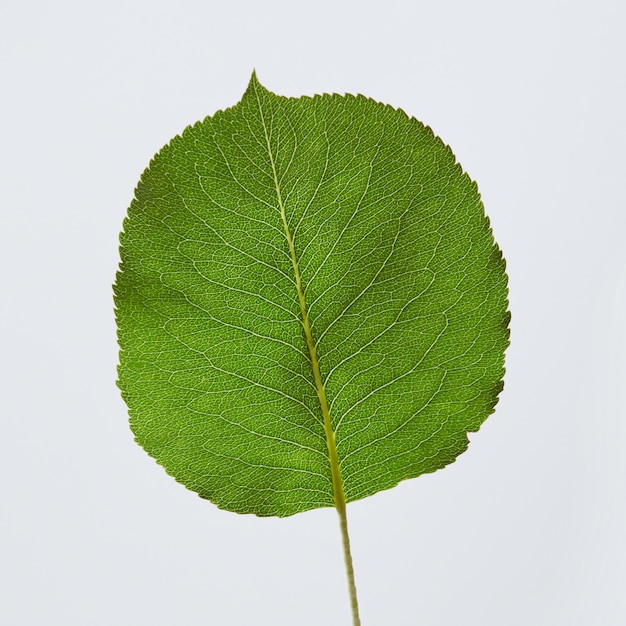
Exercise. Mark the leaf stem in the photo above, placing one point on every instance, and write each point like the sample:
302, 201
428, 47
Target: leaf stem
338, 494
347, 556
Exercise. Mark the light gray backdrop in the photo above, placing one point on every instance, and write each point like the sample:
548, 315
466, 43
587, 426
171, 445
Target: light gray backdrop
525, 528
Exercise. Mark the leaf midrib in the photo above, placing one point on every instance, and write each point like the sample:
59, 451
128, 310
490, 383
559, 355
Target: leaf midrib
338, 492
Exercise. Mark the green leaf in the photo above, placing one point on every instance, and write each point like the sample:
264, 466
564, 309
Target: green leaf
335, 214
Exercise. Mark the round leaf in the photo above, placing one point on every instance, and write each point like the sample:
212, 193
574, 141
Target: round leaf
401, 280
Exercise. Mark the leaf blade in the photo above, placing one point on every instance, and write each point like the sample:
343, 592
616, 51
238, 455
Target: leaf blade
383, 224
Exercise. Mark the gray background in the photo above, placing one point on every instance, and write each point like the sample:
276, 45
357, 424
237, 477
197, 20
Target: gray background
525, 528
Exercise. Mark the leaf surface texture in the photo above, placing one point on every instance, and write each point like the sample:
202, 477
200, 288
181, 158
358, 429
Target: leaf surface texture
404, 286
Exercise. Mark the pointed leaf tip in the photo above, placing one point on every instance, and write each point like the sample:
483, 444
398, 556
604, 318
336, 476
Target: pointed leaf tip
254, 85
254, 81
